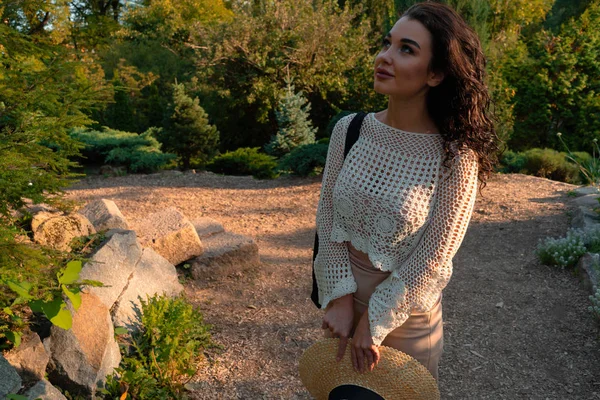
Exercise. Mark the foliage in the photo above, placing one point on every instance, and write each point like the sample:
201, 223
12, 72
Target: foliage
563, 252
305, 160
163, 353
187, 132
245, 161
589, 166
138, 153
545, 163
244, 63
295, 128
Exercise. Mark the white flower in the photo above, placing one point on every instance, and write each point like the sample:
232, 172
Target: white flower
30, 184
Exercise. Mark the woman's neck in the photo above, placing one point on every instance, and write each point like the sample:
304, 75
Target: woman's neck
410, 116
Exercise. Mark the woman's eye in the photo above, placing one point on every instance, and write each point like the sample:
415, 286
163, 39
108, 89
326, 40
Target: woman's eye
385, 43
406, 49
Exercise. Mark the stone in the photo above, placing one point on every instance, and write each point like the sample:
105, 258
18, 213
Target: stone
171, 235
104, 215
41, 217
30, 358
10, 381
589, 200
153, 275
585, 218
584, 190
589, 264
112, 264
206, 226
224, 252
45, 391
58, 232
84, 355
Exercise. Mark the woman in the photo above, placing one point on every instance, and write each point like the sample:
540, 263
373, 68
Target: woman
392, 215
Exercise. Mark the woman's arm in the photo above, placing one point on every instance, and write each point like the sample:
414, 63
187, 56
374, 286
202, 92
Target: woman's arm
418, 282
332, 266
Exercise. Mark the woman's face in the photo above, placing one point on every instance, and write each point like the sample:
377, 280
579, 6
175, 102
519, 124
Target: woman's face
402, 65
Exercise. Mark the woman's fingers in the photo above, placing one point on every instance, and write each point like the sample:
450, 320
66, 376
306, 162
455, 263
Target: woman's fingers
342, 348
376, 355
370, 360
360, 359
353, 357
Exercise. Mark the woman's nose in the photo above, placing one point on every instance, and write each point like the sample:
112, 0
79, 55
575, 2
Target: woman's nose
384, 56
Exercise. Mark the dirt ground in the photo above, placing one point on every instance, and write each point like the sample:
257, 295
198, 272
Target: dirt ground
514, 329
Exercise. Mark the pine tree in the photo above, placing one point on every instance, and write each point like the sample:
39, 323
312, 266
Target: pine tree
295, 127
187, 132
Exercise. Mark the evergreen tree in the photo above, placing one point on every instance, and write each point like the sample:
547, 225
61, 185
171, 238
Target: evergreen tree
295, 128
187, 132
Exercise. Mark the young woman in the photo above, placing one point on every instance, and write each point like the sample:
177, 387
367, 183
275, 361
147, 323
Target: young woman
392, 215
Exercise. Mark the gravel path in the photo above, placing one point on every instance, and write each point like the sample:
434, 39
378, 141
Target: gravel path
514, 329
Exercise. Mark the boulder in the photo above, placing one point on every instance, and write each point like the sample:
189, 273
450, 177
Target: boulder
224, 252
45, 391
83, 356
41, 217
30, 358
104, 215
585, 218
206, 227
153, 275
588, 264
171, 235
584, 190
589, 200
58, 232
10, 382
112, 264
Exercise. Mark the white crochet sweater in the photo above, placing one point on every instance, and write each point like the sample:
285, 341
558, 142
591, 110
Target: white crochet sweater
393, 199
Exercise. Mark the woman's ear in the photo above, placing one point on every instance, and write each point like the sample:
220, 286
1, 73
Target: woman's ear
435, 78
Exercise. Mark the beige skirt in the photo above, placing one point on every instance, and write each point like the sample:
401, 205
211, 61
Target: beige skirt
421, 336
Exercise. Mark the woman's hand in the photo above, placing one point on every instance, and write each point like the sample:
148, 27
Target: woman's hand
339, 318
363, 347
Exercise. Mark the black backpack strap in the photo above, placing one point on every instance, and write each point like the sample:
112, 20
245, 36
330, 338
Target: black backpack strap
353, 131
351, 138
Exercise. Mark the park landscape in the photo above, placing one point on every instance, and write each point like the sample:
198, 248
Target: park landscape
222, 110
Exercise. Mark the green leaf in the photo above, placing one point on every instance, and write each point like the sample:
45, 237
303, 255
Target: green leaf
120, 330
57, 313
8, 311
14, 337
20, 288
74, 296
89, 282
71, 273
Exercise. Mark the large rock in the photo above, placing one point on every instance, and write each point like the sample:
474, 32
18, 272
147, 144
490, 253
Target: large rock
58, 232
45, 391
206, 227
224, 252
112, 264
153, 275
104, 215
41, 217
171, 235
585, 218
10, 382
83, 356
588, 264
30, 358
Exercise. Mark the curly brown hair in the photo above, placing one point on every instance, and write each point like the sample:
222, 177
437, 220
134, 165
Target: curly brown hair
459, 105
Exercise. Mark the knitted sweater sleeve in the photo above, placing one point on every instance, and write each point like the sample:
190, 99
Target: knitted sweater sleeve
332, 265
418, 282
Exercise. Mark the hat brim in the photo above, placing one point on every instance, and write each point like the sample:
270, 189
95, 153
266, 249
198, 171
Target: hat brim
397, 376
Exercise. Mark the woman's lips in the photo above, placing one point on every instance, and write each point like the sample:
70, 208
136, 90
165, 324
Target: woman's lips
383, 74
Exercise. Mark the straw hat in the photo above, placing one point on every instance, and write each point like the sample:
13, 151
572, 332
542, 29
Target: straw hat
397, 376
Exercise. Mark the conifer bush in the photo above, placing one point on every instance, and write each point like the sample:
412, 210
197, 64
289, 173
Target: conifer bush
245, 161
187, 132
293, 120
305, 160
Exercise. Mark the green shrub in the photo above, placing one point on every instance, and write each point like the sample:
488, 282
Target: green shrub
551, 164
163, 353
245, 161
305, 160
334, 120
512, 162
138, 153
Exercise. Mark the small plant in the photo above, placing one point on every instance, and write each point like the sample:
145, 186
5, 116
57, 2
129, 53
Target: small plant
571, 193
595, 307
162, 356
590, 167
564, 252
